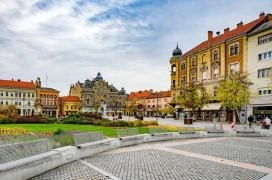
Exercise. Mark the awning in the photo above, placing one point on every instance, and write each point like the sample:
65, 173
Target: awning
177, 106
211, 107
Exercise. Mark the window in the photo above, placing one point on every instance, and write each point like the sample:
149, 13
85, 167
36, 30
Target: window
19, 94
33, 95
264, 72
11, 94
204, 75
173, 83
16, 94
28, 94
174, 69
234, 67
1, 94
215, 91
265, 39
265, 91
182, 66
215, 54
16, 103
183, 80
1, 103
6, 103
265, 56
193, 62
6, 93
193, 78
20, 103
215, 73
24, 94
234, 49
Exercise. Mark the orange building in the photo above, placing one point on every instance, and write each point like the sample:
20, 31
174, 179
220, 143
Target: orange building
69, 105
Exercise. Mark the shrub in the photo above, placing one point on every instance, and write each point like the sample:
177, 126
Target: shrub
52, 120
31, 119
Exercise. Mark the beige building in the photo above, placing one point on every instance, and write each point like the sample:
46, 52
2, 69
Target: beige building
156, 101
260, 69
22, 94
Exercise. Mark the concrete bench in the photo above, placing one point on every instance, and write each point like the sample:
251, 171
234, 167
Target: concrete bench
16, 151
189, 134
248, 133
132, 140
162, 136
92, 148
81, 138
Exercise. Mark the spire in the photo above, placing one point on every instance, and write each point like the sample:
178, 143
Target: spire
177, 51
177, 46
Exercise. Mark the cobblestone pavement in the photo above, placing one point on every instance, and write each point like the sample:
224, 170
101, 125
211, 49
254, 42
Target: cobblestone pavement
74, 170
181, 159
237, 149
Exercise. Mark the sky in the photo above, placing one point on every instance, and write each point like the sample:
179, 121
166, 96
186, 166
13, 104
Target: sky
129, 41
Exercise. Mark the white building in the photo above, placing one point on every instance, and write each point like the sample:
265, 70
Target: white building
260, 69
19, 93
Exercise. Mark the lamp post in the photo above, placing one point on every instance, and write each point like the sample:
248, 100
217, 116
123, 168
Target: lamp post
247, 84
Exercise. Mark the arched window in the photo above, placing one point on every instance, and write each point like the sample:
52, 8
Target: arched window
215, 54
174, 83
215, 73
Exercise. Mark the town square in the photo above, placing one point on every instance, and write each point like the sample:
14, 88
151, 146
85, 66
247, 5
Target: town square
135, 89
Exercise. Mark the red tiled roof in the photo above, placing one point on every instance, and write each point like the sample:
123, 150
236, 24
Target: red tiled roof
139, 94
17, 84
160, 94
227, 35
70, 99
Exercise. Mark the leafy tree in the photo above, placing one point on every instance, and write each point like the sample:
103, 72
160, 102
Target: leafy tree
167, 109
233, 93
193, 97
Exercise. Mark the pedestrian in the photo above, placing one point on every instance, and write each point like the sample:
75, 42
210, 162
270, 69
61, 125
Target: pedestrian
250, 121
267, 122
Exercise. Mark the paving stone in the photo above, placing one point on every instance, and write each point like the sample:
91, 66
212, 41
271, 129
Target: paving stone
157, 164
242, 150
74, 170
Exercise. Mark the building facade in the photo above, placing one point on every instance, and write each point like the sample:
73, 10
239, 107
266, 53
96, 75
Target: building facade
260, 69
22, 94
47, 100
210, 62
69, 105
156, 101
98, 95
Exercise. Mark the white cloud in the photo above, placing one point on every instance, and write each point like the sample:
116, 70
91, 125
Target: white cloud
129, 44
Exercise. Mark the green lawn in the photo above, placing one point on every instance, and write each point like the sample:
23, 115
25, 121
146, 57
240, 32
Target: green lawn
108, 131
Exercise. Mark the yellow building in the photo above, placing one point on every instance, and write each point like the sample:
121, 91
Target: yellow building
69, 105
47, 100
210, 62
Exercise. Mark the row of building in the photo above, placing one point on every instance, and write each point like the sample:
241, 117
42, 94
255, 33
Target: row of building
247, 49
30, 98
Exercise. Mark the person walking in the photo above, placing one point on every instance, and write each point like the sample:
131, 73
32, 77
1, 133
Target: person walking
267, 122
250, 121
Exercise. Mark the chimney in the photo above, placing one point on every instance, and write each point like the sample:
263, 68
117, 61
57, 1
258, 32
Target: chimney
240, 24
217, 33
226, 30
18, 80
210, 35
12, 79
261, 15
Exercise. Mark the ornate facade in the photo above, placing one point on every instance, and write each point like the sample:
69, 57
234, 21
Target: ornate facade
47, 100
98, 95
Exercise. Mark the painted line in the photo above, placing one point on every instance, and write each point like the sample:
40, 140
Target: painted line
218, 160
260, 140
100, 170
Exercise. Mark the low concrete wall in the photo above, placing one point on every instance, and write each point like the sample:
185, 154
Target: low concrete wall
16, 151
35, 165
81, 138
